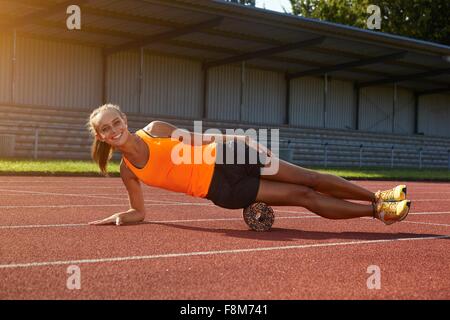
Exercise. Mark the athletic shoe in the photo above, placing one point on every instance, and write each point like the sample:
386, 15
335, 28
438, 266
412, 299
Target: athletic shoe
390, 212
395, 194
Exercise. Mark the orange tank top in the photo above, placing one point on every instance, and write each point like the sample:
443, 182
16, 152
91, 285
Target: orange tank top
192, 177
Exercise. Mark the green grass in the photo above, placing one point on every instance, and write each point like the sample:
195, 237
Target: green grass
53, 167
389, 174
88, 168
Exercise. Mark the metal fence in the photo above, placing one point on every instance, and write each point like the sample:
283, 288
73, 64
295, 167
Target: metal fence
317, 153
328, 154
33, 134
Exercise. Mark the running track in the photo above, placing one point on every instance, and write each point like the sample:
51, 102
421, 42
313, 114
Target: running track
190, 249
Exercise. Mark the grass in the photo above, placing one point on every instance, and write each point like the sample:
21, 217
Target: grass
89, 168
410, 174
53, 167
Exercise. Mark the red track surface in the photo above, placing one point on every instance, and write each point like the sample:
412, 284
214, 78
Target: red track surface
191, 249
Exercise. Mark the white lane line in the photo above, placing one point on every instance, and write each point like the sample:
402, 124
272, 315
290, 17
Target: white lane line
90, 186
416, 222
63, 206
411, 213
181, 203
207, 253
428, 200
366, 183
147, 221
119, 196
427, 192
172, 203
305, 216
44, 226
428, 223
42, 181
78, 195
289, 211
165, 201
429, 213
121, 193
111, 197
102, 205
161, 202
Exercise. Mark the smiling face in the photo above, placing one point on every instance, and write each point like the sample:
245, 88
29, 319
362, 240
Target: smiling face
111, 127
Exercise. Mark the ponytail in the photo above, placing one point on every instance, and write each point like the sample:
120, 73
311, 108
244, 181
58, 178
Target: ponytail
101, 153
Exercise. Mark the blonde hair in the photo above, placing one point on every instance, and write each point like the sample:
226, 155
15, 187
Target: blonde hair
101, 152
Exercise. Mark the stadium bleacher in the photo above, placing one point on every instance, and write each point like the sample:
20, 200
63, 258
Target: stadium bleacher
55, 133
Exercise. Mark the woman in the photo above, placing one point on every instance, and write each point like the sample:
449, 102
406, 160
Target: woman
148, 158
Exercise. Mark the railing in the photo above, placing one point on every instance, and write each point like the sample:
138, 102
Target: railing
36, 132
393, 156
36, 129
321, 153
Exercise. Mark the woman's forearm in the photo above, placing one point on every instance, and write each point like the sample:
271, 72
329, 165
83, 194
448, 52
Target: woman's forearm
209, 138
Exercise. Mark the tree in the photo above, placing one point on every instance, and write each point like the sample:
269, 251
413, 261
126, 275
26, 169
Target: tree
421, 19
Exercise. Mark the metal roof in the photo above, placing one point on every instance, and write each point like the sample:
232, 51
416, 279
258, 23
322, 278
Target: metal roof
218, 32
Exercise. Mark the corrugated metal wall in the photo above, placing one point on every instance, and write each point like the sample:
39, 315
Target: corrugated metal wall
340, 102
123, 80
6, 49
223, 97
404, 112
264, 96
70, 76
306, 102
434, 115
172, 86
375, 111
57, 74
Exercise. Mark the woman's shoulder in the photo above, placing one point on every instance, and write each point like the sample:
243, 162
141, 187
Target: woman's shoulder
152, 126
148, 127
159, 128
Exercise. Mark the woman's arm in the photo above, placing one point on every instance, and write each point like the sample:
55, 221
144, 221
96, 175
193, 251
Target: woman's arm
136, 213
165, 129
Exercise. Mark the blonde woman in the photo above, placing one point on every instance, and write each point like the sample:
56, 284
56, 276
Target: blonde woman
146, 158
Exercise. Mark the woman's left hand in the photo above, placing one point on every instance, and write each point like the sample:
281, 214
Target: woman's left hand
121, 218
258, 146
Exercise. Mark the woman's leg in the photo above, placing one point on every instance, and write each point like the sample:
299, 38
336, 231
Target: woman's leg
286, 194
325, 183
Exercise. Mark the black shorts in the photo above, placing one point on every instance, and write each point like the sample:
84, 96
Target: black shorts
234, 185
